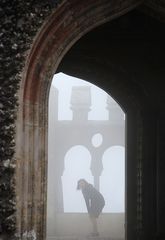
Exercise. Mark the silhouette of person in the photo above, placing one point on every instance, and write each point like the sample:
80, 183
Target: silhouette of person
94, 202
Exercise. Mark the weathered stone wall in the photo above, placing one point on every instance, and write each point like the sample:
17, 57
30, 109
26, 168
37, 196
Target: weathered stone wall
19, 21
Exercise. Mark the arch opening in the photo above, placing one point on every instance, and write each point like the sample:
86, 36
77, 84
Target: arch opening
32, 138
72, 155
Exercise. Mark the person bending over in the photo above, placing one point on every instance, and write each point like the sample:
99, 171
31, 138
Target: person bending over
94, 202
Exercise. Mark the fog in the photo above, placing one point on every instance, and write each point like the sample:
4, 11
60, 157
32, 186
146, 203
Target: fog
64, 84
86, 140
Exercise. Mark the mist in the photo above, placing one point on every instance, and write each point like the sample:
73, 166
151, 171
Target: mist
86, 139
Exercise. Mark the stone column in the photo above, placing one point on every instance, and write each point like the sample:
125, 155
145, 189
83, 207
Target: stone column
56, 160
57, 183
58, 193
96, 168
53, 105
80, 102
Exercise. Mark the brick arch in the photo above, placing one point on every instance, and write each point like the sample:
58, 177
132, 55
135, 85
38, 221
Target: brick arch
70, 21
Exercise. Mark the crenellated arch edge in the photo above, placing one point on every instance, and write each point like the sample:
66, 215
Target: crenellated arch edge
69, 21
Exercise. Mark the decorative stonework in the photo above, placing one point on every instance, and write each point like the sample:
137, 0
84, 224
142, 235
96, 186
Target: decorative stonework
20, 21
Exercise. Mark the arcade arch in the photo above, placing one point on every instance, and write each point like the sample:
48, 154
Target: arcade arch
77, 165
113, 174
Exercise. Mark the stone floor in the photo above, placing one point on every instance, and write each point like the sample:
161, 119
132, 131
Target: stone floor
82, 238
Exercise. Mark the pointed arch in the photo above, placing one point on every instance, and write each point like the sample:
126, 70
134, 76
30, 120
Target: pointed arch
70, 21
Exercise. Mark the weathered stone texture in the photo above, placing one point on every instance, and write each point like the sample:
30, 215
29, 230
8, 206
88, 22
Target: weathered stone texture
19, 21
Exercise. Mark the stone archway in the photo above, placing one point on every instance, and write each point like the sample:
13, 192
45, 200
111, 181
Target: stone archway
65, 26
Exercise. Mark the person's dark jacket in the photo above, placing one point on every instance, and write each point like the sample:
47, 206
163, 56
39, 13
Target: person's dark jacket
94, 200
